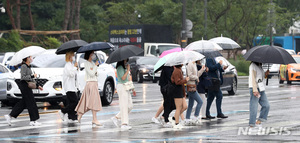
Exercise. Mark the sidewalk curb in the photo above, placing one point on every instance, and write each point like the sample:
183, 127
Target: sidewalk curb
243, 77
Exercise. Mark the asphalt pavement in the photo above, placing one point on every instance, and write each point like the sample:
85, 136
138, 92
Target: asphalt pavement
282, 126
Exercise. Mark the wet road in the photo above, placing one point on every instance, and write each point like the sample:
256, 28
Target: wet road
283, 121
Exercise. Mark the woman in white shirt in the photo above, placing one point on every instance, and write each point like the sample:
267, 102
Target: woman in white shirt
257, 95
70, 87
90, 98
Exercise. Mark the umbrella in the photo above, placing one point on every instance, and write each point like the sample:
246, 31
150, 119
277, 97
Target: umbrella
203, 45
72, 45
95, 46
26, 52
162, 61
210, 54
225, 43
170, 51
124, 53
269, 54
183, 57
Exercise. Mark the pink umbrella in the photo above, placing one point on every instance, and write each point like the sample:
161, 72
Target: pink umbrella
164, 53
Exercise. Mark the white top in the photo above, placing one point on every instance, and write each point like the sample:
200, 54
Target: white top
90, 71
192, 72
69, 82
255, 73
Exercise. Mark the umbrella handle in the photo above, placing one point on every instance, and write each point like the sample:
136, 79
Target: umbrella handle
267, 82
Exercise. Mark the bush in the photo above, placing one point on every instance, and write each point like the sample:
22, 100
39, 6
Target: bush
241, 65
51, 43
3, 43
14, 42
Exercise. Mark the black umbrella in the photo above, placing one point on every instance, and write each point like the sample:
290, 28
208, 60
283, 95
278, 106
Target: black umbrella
124, 53
269, 54
210, 54
72, 45
95, 46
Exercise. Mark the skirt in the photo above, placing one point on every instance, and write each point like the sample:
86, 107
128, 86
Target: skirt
90, 98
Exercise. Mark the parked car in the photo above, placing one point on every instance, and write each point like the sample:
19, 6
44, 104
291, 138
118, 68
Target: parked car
5, 76
6, 57
50, 67
290, 72
142, 68
229, 77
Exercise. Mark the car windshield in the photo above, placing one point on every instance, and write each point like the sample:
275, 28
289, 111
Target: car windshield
147, 61
297, 59
49, 61
163, 48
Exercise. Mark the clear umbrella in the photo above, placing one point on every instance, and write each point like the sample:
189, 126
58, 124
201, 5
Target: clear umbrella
225, 43
203, 45
183, 57
26, 52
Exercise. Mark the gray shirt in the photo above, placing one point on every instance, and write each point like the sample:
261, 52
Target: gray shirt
26, 73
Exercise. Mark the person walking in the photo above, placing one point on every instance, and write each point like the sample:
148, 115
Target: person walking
192, 93
125, 100
90, 98
27, 101
179, 93
70, 87
257, 95
215, 72
201, 89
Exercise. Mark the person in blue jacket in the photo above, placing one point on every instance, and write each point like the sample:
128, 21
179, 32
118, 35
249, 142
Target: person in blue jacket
215, 71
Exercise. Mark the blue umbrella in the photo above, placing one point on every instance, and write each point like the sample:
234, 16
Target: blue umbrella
95, 46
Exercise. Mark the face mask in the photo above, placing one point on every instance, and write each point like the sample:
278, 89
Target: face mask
93, 56
30, 60
73, 58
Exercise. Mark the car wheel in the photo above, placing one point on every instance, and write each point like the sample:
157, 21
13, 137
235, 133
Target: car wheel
139, 77
287, 78
279, 78
54, 103
108, 93
233, 87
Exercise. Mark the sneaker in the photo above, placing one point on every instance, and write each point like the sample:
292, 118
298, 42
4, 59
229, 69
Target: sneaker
115, 121
155, 120
62, 115
35, 123
168, 125
178, 126
172, 121
125, 127
8, 119
161, 120
258, 125
72, 121
188, 122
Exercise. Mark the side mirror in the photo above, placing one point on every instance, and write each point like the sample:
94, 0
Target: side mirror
157, 51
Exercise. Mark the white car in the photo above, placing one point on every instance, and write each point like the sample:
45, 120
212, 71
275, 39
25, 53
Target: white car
6, 76
49, 67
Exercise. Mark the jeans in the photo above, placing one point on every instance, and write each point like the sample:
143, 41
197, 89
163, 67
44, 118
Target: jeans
125, 103
210, 98
192, 97
265, 107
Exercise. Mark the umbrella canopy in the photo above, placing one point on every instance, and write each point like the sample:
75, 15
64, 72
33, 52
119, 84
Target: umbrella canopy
225, 43
170, 51
183, 57
124, 53
269, 54
26, 52
161, 62
211, 54
72, 45
203, 45
95, 46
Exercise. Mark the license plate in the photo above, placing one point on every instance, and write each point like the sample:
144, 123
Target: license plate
35, 91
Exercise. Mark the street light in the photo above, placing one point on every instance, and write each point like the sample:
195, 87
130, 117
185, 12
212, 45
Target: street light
2, 8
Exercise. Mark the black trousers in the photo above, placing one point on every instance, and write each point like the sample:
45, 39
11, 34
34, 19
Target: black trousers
27, 101
169, 105
70, 108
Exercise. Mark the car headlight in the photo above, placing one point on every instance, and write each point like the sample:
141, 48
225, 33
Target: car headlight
9, 86
293, 70
57, 86
144, 70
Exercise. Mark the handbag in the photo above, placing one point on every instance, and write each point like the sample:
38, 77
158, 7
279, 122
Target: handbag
31, 84
216, 83
261, 85
191, 87
128, 85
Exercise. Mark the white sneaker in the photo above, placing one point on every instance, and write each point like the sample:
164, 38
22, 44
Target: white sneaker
258, 125
178, 126
125, 127
168, 125
155, 120
188, 122
35, 123
115, 121
172, 121
8, 119
72, 121
161, 120
62, 115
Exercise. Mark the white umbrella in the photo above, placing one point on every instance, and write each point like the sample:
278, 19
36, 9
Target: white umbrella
203, 45
225, 43
26, 52
183, 57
